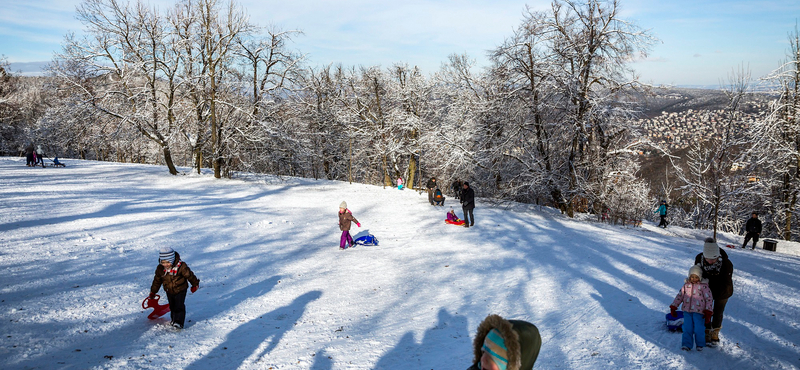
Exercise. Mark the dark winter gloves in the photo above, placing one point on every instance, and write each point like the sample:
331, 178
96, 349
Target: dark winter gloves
194, 288
708, 314
672, 311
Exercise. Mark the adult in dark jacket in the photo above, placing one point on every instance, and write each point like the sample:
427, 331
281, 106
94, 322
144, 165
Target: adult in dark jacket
174, 275
468, 204
513, 343
718, 269
29, 155
753, 229
431, 185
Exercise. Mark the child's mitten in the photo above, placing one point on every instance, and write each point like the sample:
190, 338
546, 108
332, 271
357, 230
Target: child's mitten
358, 224
708, 314
672, 310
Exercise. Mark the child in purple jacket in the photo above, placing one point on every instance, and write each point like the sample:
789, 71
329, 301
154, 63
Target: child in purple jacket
695, 296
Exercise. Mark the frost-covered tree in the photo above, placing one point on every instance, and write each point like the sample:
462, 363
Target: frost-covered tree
776, 145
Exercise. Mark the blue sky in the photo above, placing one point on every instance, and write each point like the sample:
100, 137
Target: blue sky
701, 41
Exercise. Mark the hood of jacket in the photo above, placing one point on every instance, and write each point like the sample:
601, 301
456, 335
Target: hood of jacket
521, 338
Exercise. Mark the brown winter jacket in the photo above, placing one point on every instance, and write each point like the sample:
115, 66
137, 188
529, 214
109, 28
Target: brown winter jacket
345, 219
174, 284
522, 340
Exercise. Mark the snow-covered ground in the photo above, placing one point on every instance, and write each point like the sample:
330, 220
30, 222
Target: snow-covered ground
79, 247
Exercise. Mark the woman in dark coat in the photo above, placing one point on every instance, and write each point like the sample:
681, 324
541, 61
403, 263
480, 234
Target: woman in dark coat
718, 269
468, 204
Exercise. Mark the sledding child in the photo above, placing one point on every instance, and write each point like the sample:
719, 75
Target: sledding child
175, 276
400, 183
695, 296
451, 216
345, 218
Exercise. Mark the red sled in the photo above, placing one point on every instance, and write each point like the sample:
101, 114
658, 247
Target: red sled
158, 309
457, 223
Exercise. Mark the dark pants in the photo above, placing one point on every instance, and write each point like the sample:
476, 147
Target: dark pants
177, 308
29, 159
747, 238
719, 309
663, 221
469, 218
430, 195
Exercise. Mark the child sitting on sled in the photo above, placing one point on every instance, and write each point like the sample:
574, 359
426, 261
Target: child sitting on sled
453, 219
175, 276
695, 296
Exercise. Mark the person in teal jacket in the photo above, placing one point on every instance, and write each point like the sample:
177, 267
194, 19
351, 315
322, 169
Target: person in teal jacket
662, 211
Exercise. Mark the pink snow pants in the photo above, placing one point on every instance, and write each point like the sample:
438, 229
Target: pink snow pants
346, 239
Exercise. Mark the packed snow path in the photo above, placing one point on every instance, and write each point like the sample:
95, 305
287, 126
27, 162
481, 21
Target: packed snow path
79, 247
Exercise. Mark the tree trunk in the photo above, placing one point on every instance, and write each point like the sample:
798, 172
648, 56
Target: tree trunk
168, 160
199, 158
412, 169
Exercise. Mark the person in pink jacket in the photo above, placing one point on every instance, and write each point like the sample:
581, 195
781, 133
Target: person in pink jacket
697, 301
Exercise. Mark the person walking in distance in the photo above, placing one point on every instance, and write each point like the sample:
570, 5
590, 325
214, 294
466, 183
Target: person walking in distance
753, 229
468, 204
662, 211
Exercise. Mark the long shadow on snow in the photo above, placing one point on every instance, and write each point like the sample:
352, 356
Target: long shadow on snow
322, 361
242, 342
444, 338
83, 350
203, 204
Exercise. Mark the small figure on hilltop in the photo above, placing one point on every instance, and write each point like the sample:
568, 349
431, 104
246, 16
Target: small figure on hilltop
696, 299
662, 211
431, 185
174, 275
753, 229
718, 270
468, 204
400, 183
502, 344
345, 219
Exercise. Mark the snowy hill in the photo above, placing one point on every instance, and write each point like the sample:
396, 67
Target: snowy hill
79, 248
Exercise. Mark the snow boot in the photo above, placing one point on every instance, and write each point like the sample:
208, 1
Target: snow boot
715, 336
